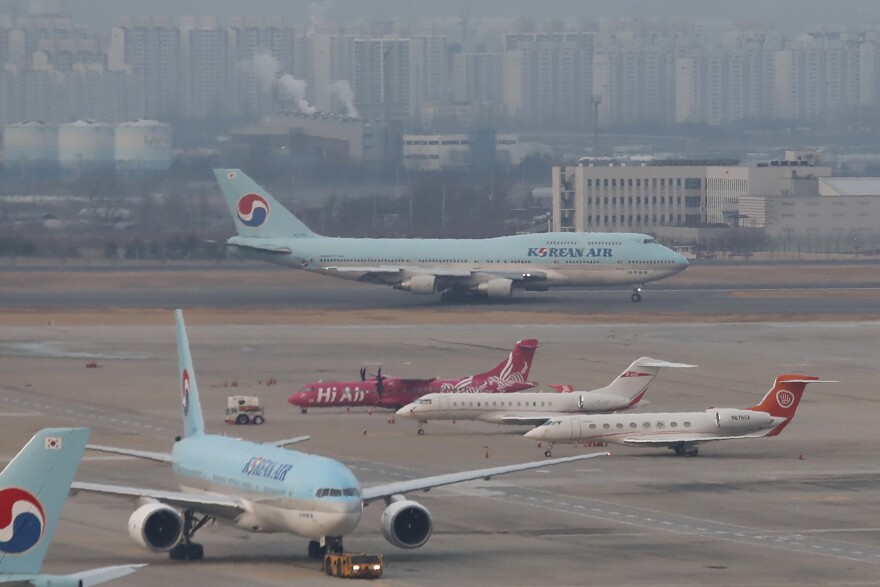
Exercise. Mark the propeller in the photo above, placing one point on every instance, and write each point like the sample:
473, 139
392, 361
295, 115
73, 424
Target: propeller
363, 373
379, 386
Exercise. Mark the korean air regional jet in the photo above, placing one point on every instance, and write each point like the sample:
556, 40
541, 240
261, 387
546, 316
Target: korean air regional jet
33, 489
535, 408
455, 268
683, 431
267, 488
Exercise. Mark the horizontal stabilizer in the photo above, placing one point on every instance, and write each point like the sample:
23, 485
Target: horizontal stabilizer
159, 457
103, 574
666, 364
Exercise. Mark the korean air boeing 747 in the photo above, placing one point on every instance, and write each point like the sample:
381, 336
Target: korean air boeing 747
266, 488
455, 268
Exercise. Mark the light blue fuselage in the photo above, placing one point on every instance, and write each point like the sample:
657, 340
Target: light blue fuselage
287, 490
562, 258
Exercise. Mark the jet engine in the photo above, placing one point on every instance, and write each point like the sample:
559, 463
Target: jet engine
740, 420
419, 284
156, 527
406, 524
496, 288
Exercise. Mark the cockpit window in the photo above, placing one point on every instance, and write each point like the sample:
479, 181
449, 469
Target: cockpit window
650, 240
424, 401
334, 492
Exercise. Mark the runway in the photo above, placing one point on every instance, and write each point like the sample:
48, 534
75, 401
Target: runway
797, 509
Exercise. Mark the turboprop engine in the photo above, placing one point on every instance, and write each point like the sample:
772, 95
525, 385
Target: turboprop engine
156, 527
419, 284
406, 524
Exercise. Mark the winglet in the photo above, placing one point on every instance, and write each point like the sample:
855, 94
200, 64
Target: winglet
193, 424
33, 489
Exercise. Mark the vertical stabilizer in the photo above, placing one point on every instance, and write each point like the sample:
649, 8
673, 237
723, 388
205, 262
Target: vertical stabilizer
193, 424
632, 384
783, 398
33, 489
515, 368
254, 211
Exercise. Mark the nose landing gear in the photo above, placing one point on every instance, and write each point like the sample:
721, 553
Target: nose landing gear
636, 295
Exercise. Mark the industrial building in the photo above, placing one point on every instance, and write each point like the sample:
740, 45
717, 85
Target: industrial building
476, 150
297, 138
794, 197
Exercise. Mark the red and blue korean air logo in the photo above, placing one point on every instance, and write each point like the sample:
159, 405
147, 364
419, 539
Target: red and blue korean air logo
184, 392
253, 210
22, 520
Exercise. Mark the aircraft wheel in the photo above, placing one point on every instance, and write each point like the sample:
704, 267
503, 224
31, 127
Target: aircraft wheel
241, 419
316, 550
679, 450
303, 410
421, 432
178, 553
548, 453
636, 297
259, 420
693, 452
195, 552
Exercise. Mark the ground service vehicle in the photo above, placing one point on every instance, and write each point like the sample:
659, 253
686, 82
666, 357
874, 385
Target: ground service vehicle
244, 409
353, 565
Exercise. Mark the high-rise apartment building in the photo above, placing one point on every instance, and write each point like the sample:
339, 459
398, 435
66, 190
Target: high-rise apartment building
381, 78
205, 68
548, 79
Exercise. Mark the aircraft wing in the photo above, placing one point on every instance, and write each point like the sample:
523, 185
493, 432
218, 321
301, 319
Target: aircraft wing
288, 441
103, 574
392, 270
533, 420
415, 382
666, 440
227, 507
159, 457
426, 483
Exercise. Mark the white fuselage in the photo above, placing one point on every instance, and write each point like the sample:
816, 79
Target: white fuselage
656, 428
506, 408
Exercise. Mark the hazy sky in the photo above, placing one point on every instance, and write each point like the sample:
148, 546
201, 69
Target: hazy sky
790, 16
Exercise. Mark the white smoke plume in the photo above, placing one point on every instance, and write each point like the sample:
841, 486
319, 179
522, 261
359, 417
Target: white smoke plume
341, 90
291, 89
266, 68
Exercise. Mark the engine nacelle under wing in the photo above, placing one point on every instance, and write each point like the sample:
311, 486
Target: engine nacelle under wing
499, 287
419, 284
406, 524
740, 420
156, 527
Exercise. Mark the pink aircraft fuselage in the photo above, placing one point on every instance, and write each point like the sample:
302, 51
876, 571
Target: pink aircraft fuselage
395, 392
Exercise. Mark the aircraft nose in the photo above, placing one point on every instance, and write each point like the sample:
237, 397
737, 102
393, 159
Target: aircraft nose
406, 411
535, 433
680, 262
295, 399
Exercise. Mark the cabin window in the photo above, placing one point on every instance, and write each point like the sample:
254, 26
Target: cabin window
619, 425
687, 424
646, 425
632, 425
606, 426
673, 424
660, 425
592, 426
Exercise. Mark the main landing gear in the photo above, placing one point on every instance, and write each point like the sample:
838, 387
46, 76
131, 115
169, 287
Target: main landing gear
187, 549
636, 295
684, 450
330, 544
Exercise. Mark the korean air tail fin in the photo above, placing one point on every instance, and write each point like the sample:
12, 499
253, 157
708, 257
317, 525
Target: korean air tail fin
783, 398
255, 212
516, 367
33, 489
193, 424
633, 382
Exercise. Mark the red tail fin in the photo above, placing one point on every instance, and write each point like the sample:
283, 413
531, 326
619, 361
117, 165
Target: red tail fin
517, 364
783, 399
